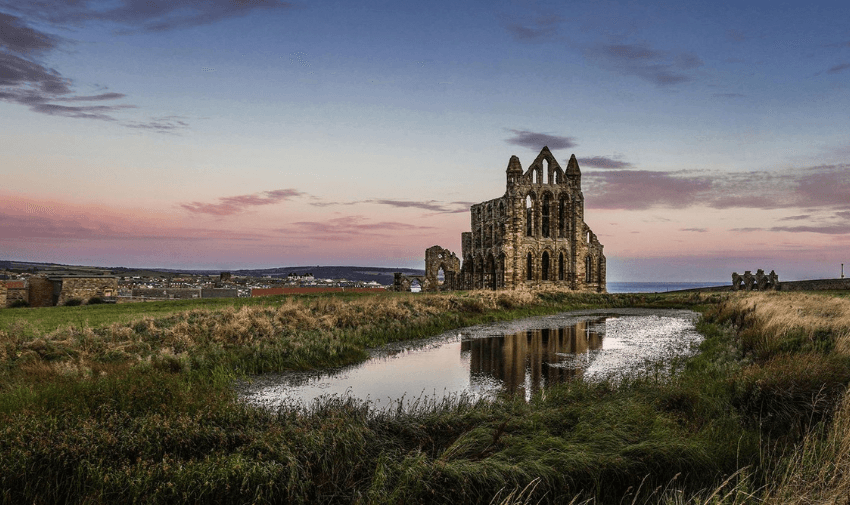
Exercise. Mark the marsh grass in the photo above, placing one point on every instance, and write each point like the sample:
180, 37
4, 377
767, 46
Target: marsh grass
290, 333
143, 410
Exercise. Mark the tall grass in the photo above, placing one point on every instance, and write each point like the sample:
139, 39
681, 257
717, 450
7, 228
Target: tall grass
285, 334
143, 411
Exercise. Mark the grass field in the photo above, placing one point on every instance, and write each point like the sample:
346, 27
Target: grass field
130, 404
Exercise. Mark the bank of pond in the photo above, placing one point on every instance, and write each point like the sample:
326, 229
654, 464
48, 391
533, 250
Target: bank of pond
523, 356
742, 404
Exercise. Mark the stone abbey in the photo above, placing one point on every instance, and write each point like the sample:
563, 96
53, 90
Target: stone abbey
532, 236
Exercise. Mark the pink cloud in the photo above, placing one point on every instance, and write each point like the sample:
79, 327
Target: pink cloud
229, 205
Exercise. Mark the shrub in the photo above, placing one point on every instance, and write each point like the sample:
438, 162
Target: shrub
19, 303
73, 302
95, 300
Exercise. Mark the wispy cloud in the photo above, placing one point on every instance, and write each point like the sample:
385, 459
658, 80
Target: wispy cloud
15, 226
736, 35
697, 230
430, 205
166, 124
143, 15
230, 205
839, 44
643, 189
25, 81
841, 67
16, 37
827, 229
434, 206
543, 28
662, 68
536, 140
602, 162
728, 95
348, 228
817, 187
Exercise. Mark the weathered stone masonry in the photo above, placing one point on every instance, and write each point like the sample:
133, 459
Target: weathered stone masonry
532, 236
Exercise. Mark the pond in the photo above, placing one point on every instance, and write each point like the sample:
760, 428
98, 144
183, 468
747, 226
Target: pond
520, 357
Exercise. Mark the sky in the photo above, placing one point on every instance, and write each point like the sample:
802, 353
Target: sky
712, 136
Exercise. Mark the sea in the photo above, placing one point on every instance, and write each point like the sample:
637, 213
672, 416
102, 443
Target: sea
658, 287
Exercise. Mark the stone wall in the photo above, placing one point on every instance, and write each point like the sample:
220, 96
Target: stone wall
167, 293
2, 294
436, 259
219, 293
83, 288
300, 291
815, 285
809, 285
40, 292
15, 290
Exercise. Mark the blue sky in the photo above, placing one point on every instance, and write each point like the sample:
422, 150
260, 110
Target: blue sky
712, 137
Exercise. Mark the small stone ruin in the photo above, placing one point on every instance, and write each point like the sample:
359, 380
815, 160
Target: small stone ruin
757, 282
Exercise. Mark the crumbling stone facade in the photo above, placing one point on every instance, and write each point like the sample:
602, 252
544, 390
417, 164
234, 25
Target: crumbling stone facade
442, 273
438, 259
757, 282
532, 236
535, 234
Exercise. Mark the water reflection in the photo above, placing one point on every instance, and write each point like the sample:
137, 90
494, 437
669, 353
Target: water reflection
529, 361
519, 357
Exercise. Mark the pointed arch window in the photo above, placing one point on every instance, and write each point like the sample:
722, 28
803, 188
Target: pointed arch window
529, 266
561, 266
562, 216
544, 228
544, 266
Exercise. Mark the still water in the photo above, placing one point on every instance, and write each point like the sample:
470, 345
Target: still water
520, 357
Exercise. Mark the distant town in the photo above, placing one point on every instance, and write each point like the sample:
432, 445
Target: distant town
46, 284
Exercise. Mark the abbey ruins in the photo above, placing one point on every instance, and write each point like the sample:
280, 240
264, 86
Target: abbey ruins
532, 236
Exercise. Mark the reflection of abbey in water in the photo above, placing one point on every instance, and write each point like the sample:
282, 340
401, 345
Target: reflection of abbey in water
522, 360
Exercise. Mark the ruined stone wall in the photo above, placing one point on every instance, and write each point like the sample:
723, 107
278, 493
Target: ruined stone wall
83, 288
436, 259
534, 235
40, 292
2, 294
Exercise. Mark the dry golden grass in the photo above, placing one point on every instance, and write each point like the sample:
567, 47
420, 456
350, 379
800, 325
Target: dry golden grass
778, 315
292, 323
818, 472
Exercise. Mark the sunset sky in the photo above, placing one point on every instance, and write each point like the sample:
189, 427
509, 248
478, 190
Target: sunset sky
712, 136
